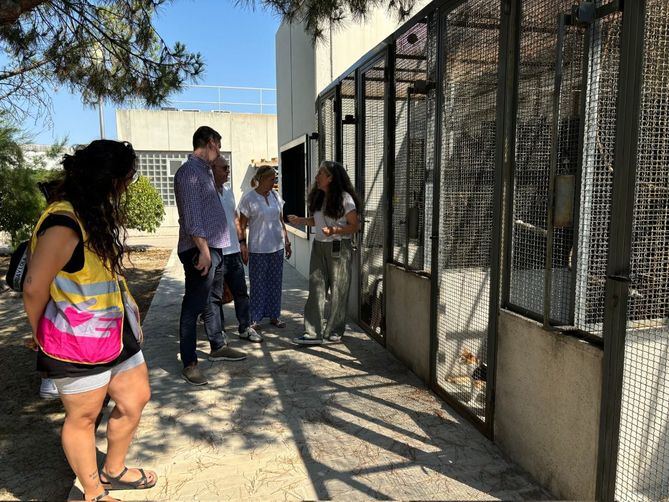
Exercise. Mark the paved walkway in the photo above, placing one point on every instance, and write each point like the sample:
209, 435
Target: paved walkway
345, 422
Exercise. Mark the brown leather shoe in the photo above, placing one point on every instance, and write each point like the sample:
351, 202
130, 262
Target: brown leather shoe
227, 353
194, 376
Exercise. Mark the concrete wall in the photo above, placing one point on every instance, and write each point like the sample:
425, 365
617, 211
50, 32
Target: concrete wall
247, 135
305, 67
301, 250
347, 42
408, 319
295, 78
548, 392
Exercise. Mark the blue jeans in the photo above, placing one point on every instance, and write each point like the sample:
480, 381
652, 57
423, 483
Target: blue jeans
196, 301
232, 273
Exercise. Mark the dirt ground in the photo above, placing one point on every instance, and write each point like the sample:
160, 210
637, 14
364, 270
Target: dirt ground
33, 465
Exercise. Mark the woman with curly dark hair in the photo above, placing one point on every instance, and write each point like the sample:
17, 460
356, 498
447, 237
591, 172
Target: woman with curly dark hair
83, 318
333, 206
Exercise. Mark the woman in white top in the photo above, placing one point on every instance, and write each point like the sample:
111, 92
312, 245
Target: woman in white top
333, 206
261, 211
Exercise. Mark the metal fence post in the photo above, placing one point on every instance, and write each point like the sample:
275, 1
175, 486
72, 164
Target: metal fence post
618, 268
389, 153
338, 129
509, 153
505, 88
436, 196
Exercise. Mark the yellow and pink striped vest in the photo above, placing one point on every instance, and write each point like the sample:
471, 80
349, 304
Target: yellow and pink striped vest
83, 320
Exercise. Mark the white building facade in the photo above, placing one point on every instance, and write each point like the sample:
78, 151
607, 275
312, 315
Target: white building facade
163, 140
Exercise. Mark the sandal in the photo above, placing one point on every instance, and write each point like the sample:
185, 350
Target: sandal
104, 494
278, 323
115, 483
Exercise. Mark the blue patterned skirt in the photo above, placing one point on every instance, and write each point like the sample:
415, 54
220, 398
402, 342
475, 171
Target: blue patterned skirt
265, 284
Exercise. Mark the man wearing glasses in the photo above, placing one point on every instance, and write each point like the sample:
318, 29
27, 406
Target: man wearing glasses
235, 256
203, 234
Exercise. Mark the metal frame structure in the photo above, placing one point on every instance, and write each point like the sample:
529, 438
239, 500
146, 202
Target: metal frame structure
620, 249
617, 281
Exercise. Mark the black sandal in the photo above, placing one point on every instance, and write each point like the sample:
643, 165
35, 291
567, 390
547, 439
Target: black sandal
115, 483
100, 497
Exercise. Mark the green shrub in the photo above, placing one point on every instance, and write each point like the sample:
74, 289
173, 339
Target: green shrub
144, 208
21, 202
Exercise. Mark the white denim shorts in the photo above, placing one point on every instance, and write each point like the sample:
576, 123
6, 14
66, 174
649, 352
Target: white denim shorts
77, 385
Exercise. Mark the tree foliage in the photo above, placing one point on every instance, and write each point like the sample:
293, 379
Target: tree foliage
101, 49
317, 15
20, 200
144, 206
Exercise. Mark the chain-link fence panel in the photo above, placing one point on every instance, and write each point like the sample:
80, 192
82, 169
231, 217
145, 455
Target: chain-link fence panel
348, 116
415, 84
643, 452
326, 128
372, 171
535, 115
469, 90
594, 213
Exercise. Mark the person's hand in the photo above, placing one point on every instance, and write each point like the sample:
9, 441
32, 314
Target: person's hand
295, 220
244, 249
203, 263
328, 231
289, 251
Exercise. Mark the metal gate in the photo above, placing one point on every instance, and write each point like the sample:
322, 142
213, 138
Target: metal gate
373, 82
634, 449
469, 85
414, 80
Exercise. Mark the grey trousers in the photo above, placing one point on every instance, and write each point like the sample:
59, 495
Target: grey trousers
328, 272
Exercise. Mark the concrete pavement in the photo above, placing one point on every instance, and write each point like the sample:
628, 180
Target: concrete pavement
344, 422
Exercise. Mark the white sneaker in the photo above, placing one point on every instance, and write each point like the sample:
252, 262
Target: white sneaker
48, 390
251, 335
307, 339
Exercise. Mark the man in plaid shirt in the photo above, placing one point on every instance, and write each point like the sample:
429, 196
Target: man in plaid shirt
203, 233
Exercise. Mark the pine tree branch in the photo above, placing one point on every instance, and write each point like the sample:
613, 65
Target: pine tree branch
23, 69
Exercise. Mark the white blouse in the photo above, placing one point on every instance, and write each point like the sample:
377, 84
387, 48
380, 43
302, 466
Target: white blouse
264, 221
321, 221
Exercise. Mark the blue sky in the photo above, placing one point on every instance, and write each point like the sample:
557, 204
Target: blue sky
236, 43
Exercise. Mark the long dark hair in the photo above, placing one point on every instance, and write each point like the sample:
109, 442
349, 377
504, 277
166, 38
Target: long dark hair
334, 199
94, 179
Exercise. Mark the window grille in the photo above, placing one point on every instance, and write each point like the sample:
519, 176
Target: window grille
160, 168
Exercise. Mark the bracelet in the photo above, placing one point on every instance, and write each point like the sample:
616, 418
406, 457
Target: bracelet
242, 241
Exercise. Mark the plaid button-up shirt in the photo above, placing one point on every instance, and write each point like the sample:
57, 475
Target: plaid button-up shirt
201, 213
